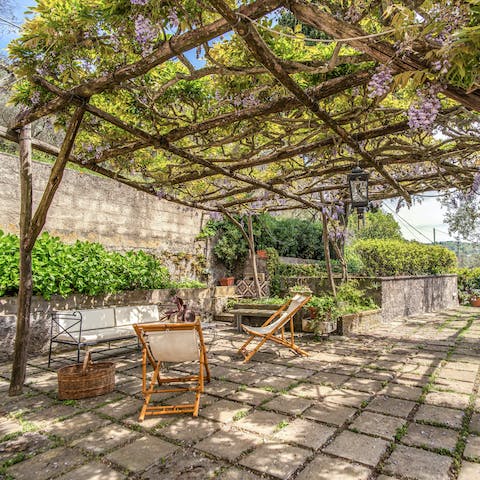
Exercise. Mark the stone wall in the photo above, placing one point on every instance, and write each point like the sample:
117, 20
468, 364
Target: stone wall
98, 209
202, 300
405, 296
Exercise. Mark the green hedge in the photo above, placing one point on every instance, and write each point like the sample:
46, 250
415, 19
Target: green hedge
468, 279
397, 257
83, 267
306, 269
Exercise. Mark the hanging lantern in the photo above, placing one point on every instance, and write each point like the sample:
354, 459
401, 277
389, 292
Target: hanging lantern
358, 183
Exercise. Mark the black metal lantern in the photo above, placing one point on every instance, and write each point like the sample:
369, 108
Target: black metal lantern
358, 183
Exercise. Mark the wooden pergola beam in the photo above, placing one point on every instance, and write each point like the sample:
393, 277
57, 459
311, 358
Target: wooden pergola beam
381, 51
166, 51
262, 53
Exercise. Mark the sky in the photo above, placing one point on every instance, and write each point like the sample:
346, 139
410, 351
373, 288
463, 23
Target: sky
417, 222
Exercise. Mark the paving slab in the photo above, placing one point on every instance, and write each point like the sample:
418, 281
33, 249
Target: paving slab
475, 423
261, 422
105, 439
224, 411
188, 429
142, 453
406, 392
472, 449
469, 471
311, 390
238, 474
29, 443
305, 433
182, 465
75, 426
329, 378
391, 406
358, 447
377, 424
284, 459
363, 384
93, 471
228, 443
8, 426
220, 388
449, 417
350, 398
331, 413
124, 407
49, 415
46, 465
288, 404
418, 464
328, 468
274, 383
453, 385
447, 399
419, 435
252, 396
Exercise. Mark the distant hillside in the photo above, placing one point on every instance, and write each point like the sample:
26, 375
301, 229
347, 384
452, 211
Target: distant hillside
468, 254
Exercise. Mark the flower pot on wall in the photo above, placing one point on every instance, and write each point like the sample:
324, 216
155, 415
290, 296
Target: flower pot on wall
475, 301
227, 281
261, 253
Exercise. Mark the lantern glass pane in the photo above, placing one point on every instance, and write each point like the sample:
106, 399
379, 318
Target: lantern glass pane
359, 191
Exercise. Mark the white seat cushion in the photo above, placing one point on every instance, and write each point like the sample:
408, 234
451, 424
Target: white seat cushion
100, 335
137, 314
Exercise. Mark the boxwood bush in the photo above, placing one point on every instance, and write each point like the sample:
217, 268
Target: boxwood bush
83, 267
397, 257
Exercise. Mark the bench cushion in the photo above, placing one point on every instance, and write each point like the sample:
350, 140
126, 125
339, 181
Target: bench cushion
92, 319
138, 314
100, 335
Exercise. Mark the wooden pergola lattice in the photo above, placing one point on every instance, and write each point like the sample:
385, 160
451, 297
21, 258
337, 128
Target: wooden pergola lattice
249, 129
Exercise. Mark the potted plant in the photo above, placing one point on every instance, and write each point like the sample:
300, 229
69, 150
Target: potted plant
227, 281
475, 297
301, 289
262, 254
322, 315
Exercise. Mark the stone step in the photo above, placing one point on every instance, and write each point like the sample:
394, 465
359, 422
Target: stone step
224, 317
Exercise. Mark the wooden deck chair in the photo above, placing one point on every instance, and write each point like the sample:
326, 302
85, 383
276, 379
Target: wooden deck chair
269, 330
171, 342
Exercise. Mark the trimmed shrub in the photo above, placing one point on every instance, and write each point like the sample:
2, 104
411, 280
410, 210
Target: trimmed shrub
468, 279
84, 267
396, 257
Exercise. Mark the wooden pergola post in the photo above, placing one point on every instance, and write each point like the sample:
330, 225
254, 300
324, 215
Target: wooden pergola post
25, 288
30, 227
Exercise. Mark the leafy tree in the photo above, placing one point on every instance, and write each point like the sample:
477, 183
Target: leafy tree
377, 225
463, 215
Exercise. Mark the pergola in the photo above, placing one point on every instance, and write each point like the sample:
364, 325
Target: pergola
270, 119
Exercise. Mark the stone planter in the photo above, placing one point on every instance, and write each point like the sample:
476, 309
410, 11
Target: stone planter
359, 322
318, 327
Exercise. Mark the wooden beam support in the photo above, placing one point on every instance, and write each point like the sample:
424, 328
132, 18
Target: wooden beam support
24, 300
262, 53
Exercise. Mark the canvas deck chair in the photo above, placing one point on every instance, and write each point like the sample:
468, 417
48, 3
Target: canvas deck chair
273, 326
171, 342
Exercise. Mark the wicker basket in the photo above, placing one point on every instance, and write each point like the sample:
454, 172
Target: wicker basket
87, 380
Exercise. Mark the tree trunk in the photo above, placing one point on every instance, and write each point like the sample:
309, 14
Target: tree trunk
326, 248
251, 244
24, 300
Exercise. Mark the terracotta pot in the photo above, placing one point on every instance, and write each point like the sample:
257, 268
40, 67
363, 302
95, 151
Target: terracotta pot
261, 253
475, 301
227, 281
313, 311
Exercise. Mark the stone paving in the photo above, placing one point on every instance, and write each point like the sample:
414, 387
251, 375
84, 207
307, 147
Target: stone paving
400, 402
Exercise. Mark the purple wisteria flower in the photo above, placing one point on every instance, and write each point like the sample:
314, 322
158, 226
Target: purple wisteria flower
380, 82
423, 112
145, 32
139, 2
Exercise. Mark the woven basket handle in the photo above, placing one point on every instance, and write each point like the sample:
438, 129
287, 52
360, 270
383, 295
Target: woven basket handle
86, 362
